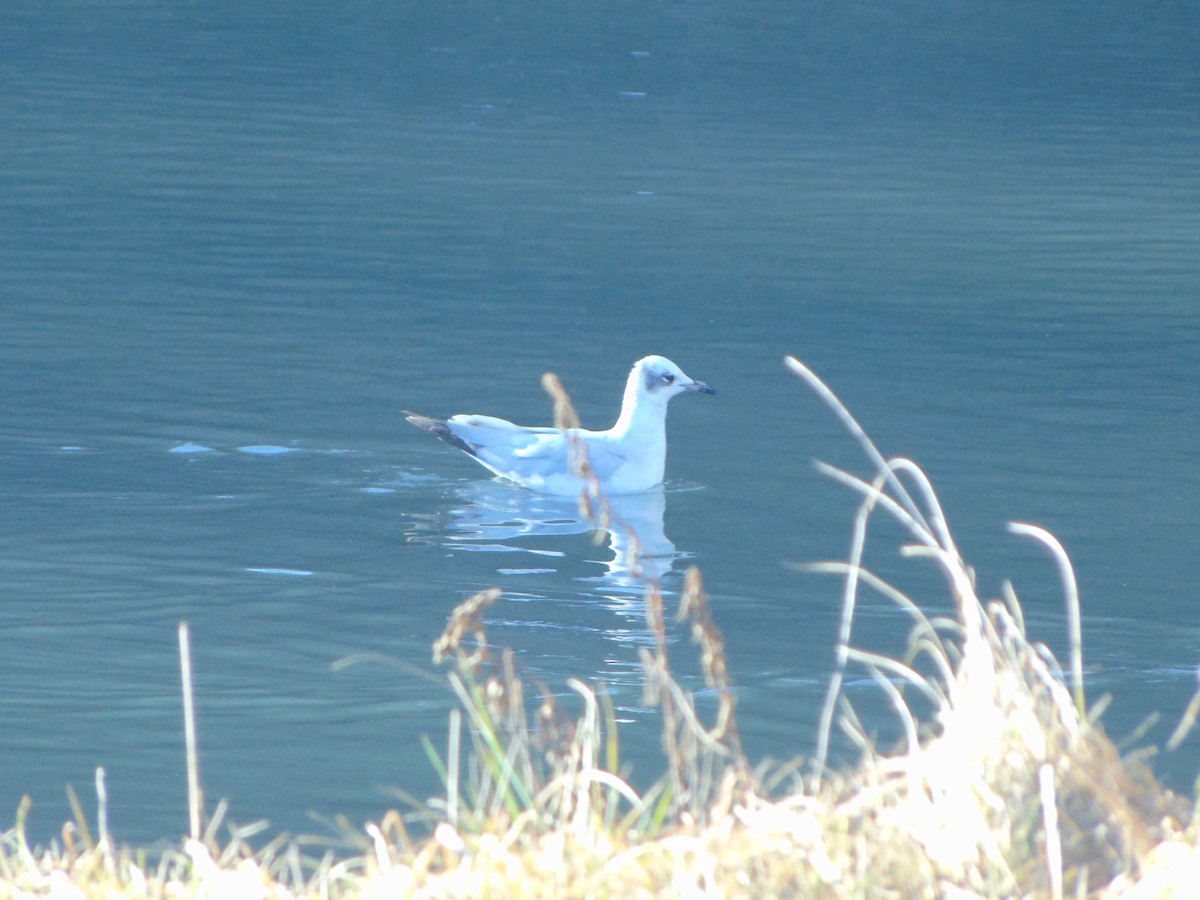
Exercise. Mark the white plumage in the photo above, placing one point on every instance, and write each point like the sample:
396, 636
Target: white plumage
627, 458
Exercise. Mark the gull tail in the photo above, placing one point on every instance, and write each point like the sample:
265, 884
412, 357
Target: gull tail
439, 429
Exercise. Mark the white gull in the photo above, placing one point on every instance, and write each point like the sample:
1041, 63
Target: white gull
627, 458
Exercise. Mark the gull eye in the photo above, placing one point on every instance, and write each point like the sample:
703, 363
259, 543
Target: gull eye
668, 378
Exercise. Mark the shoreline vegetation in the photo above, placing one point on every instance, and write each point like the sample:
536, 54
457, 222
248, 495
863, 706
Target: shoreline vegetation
1002, 785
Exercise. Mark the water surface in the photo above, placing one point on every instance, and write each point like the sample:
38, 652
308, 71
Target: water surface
239, 241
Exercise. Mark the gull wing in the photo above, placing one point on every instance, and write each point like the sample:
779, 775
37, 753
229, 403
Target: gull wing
529, 455
508, 449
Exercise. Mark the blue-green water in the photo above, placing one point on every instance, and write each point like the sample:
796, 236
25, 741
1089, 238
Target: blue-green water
233, 228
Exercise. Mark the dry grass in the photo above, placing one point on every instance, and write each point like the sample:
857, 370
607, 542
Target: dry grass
1008, 788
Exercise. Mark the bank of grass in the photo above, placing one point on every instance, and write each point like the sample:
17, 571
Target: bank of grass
1006, 786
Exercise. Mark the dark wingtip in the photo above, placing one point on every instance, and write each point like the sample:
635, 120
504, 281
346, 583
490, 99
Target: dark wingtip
425, 422
439, 429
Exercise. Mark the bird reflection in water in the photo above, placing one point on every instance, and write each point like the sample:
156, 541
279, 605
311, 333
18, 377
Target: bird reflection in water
495, 516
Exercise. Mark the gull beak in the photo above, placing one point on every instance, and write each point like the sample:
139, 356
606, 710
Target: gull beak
701, 387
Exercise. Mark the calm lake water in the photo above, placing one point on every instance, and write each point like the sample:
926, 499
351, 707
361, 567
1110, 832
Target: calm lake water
238, 240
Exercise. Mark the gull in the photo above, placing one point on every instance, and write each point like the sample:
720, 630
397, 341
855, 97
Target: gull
628, 458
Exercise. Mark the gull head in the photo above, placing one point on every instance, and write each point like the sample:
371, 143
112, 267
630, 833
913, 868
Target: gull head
652, 383
656, 378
